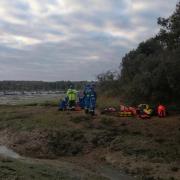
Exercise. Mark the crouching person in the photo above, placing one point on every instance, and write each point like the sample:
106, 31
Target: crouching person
63, 104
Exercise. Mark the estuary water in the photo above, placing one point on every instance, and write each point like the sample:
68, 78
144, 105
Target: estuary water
16, 98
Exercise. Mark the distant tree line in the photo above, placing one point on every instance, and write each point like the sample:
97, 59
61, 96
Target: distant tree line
151, 72
39, 85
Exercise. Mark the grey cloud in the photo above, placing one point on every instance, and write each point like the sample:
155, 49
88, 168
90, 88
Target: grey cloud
76, 45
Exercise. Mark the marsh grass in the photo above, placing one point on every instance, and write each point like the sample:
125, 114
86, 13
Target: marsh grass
14, 169
81, 118
103, 102
107, 120
30, 117
69, 133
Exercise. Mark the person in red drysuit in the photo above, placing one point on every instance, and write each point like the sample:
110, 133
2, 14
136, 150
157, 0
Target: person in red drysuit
161, 110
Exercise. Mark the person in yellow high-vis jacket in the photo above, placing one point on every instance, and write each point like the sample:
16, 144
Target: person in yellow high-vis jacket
72, 97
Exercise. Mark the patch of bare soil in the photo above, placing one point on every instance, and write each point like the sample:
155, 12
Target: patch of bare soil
30, 144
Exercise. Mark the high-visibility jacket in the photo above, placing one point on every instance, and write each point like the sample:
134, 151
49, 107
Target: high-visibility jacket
71, 94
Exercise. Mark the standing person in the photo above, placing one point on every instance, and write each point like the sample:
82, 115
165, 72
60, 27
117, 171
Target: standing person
72, 97
81, 99
90, 99
87, 92
93, 98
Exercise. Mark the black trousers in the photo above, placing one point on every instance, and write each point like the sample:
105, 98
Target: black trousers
72, 103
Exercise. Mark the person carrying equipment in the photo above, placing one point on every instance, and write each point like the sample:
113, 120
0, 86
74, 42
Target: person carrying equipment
161, 110
72, 96
90, 99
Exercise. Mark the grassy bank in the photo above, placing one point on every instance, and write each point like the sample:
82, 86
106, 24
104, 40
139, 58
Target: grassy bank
11, 169
146, 148
104, 101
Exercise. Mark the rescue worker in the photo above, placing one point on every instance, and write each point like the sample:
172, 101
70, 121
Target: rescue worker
81, 99
72, 97
87, 92
63, 104
161, 110
93, 98
90, 99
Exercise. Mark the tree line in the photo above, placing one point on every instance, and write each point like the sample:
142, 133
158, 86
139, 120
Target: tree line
39, 85
151, 72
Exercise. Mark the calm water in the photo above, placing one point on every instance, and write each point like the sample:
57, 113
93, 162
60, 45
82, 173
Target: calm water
19, 98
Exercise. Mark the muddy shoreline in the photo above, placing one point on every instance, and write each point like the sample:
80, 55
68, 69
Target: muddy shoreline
105, 171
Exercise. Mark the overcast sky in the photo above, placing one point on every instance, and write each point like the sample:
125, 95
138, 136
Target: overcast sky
54, 40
